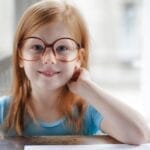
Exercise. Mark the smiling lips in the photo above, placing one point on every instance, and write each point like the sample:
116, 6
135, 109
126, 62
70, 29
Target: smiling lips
48, 73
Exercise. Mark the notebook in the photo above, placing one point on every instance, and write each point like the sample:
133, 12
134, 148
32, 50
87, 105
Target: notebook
88, 147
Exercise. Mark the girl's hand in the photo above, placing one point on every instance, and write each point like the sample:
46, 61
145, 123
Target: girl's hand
78, 81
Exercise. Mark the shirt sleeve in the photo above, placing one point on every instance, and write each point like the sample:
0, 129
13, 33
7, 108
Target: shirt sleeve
92, 121
4, 100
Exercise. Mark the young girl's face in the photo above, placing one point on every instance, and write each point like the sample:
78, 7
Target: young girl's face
48, 73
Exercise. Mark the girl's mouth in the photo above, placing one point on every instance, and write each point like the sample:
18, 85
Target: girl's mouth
48, 73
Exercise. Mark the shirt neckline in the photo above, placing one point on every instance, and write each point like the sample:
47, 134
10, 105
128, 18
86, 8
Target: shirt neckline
52, 124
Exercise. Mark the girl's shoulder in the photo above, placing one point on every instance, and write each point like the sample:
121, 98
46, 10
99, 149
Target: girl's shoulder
4, 103
92, 120
90, 110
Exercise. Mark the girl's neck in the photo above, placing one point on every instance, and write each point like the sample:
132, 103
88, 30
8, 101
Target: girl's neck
46, 98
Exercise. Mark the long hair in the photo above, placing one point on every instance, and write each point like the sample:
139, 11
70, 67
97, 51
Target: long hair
37, 15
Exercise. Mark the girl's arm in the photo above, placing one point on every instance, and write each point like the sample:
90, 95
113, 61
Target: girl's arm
120, 121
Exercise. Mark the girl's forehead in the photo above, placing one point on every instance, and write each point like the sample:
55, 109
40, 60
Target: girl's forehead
52, 31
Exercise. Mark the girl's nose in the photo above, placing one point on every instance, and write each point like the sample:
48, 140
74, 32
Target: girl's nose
49, 57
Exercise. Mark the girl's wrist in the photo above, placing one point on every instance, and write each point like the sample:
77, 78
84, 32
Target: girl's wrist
91, 92
86, 89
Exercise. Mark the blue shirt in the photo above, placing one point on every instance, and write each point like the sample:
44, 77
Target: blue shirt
91, 123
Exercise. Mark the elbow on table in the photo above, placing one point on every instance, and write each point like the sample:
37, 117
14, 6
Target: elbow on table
138, 138
137, 141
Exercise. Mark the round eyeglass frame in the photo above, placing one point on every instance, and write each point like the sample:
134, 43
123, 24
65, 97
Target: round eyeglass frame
47, 45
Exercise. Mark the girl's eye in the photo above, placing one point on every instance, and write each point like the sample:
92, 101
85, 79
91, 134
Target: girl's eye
62, 49
37, 48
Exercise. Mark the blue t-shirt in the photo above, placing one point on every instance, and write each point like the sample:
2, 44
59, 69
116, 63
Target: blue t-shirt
91, 123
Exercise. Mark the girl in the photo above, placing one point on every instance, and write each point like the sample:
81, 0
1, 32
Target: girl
52, 91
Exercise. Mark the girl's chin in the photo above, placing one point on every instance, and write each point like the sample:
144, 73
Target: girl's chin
51, 85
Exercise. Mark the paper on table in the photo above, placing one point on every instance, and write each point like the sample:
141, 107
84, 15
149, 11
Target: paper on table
88, 147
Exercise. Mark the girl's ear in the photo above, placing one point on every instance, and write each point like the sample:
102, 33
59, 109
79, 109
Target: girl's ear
21, 64
81, 56
20, 60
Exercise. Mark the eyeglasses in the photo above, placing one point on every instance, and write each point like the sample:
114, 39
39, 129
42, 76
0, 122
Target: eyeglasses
33, 48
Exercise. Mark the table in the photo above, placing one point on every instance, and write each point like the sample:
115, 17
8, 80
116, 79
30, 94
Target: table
17, 143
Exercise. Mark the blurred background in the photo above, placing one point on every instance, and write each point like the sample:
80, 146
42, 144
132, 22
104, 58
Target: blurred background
120, 43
